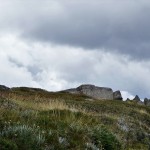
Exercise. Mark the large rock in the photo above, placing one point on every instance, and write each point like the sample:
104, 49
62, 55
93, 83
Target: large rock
147, 102
136, 99
93, 91
96, 92
117, 95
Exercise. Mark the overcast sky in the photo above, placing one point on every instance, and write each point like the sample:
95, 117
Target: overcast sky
59, 44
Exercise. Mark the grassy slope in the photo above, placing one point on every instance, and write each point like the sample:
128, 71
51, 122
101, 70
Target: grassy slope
66, 121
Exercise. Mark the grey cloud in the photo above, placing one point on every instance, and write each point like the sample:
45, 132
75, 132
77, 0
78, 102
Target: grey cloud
56, 67
13, 61
117, 26
34, 70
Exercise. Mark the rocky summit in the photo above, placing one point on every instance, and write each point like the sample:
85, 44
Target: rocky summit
96, 92
136, 99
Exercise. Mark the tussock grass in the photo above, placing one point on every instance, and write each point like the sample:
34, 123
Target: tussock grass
68, 121
53, 104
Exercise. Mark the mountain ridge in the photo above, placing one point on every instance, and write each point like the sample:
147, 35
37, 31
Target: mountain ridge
92, 91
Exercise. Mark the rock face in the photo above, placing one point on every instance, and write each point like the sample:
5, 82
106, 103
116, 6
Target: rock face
137, 99
147, 102
117, 95
4, 88
96, 92
93, 91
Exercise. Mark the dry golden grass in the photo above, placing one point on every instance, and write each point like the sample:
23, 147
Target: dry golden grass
45, 106
142, 111
53, 104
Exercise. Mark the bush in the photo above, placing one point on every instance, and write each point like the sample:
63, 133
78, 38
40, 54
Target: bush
24, 136
104, 139
6, 144
76, 136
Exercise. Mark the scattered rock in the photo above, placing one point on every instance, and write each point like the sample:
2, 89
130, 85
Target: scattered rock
147, 102
117, 95
136, 99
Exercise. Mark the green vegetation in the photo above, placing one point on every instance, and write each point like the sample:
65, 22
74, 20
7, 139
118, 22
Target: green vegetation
32, 119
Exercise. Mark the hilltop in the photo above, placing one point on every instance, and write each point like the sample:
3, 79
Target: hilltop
37, 119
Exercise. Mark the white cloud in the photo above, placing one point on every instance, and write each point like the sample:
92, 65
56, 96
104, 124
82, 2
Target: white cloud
126, 95
54, 67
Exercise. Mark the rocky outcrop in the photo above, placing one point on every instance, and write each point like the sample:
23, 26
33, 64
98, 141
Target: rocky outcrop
147, 102
96, 92
128, 100
4, 88
117, 95
93, 91
136, 99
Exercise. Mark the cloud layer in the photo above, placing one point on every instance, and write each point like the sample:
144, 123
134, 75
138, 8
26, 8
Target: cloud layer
56, 67
118, 26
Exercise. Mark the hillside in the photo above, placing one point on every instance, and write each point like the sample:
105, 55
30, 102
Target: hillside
35, 119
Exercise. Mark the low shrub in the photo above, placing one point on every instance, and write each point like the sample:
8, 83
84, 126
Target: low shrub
24, 137
6, 144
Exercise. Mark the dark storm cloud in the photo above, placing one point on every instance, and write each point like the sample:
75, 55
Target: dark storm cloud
120, 26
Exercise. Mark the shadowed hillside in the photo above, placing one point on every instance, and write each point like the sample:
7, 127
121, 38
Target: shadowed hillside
35, 119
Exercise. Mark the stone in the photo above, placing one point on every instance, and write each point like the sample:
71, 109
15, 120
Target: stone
147, 102
96, 92
93, 91
117, 95
136, 99
128, 100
